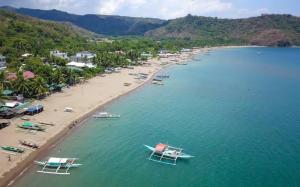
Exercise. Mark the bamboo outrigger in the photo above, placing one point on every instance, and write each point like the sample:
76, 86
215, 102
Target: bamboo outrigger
167, 154
58, 166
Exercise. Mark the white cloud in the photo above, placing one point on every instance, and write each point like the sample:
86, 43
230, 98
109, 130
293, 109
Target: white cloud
162, 8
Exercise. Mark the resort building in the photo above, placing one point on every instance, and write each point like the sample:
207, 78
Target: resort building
2, 62
80, 65
59, 54
185, 50
26, 55
165, 54
85, 55
146, 55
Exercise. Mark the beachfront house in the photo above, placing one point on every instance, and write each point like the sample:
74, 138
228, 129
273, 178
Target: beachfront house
59, 54
146, 55
85, 56
185, 50
25, 55
165, 54
2, 62
80, 65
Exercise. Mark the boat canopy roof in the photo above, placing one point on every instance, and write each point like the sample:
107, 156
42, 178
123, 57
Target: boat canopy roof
57, 160
160, 147
27, 124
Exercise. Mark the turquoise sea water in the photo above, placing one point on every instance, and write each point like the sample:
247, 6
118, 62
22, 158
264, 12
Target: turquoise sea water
236, 110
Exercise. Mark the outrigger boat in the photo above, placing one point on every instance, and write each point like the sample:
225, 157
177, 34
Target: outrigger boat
163, 76
167, 154
12, 149
106, 115
30, 126
157, 82
28, 144
57, 166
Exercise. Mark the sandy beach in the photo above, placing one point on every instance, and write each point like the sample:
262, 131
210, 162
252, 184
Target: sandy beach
85, 99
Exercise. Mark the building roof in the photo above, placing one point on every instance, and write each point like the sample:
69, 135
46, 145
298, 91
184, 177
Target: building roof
28, 75
81, 64
7, 92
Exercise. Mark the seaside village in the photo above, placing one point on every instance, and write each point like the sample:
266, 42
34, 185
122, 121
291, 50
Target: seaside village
19, 113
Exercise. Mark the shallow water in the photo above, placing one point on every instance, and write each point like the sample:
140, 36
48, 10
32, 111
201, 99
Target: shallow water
236, 110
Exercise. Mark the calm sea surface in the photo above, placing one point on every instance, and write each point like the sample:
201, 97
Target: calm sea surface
236, 110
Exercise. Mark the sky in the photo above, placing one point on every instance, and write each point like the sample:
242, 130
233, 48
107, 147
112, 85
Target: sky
164, 9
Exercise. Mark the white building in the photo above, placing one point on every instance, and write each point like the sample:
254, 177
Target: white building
26, 55
2, 62
85, 55
81, 65
146, 55
59, 54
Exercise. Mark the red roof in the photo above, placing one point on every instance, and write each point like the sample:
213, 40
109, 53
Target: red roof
28, 75
160, 147
12, 76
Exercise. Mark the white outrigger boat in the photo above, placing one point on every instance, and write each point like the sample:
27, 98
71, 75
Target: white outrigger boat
167, 154
106, 115
57, 166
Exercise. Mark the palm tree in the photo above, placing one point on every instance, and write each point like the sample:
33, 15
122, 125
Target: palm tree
39, 87
22, 85
71, 77
57, 77
2, 79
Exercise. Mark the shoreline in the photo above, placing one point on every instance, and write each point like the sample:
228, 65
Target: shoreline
18, 166
57, 135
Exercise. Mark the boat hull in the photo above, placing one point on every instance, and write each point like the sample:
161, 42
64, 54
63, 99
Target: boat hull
182, 155
49, 165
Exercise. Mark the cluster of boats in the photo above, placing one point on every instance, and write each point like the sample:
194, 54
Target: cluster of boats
162, 153
19, 149
158, 80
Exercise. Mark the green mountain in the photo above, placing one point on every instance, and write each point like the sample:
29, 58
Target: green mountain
23, 34
101, 24
270, 30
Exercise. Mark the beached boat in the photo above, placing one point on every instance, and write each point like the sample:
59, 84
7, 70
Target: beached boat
12, 149
28, 144
167, 154
182, 63
34, 110
57, 166
157, 82
157, 79
106, 115
163, 76
30, 126
127, 84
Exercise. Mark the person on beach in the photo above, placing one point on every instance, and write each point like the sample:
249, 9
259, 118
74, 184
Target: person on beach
9, 158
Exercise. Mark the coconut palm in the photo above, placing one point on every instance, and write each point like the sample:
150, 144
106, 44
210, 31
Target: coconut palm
39, 87
71, 77
57, 77
22, 85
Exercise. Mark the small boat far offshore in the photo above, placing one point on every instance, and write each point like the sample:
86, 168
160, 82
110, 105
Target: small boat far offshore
167, 154
106, 115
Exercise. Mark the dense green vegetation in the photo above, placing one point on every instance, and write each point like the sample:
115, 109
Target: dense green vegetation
270, 30
106, 25
21, 34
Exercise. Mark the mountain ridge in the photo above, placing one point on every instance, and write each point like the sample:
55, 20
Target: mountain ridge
102, 24
267, 29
